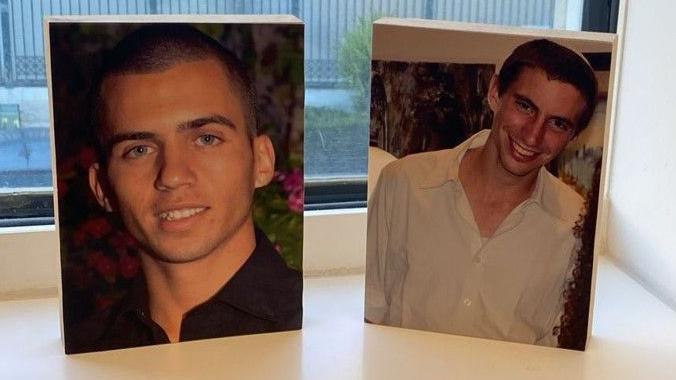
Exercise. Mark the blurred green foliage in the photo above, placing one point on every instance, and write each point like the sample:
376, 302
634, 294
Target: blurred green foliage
354, 62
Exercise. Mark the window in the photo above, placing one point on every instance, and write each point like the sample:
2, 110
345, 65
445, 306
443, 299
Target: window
337, 73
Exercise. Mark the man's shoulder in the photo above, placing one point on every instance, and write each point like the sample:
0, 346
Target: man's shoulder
560, 200
416, 168
105, 329
268, 279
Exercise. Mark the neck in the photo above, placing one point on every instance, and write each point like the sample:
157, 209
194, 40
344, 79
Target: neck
176, 288
491, 179
492, 192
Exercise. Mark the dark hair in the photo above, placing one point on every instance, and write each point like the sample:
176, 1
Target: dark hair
157, 47
559, 63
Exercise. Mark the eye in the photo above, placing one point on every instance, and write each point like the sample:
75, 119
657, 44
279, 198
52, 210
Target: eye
208, 139
524, 106
561, 125
138, 151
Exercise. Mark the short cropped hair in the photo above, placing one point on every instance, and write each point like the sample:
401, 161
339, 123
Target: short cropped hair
158, 47
559, 63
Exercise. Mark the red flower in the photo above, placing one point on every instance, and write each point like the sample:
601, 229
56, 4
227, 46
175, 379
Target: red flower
62, 188
97, 227
122, 239
93, 257
79, 238
87, 157
129, 265
66, 166
104, 302
80, 276
106, 267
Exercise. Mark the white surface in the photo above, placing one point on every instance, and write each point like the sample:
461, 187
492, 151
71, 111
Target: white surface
337, 240
29, 260
223, 18
634, 337
642, 210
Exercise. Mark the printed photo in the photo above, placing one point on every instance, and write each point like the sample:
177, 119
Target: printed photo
179, 176
482, 222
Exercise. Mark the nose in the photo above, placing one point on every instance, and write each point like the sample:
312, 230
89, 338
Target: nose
174, 170
533, 131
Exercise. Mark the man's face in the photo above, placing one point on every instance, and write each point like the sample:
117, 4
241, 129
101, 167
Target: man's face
182, 168
533, 120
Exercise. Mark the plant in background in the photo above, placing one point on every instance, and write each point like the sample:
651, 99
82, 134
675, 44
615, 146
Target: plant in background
354, 62
278, 211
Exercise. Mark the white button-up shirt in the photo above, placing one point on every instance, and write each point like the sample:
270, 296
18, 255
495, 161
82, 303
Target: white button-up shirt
428, 267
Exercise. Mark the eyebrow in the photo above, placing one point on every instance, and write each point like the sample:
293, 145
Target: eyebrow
531, 104
186, 125
527, 100
211, 119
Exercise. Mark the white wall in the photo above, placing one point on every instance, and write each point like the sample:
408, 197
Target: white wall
642, 189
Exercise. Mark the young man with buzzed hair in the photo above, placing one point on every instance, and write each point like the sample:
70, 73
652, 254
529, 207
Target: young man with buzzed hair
478, 240
179, 160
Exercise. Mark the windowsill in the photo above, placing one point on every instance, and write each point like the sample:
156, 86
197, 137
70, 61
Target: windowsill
26, 229
29, 256
634, 336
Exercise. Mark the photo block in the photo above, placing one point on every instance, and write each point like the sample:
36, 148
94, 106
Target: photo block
486, 148
179, 169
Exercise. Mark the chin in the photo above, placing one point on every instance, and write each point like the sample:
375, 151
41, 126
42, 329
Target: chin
519, 169
177, 254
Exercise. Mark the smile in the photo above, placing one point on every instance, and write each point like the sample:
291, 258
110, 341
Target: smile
181, 213
522, 152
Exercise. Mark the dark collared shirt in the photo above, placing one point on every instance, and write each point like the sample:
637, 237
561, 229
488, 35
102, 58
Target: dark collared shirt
263, 296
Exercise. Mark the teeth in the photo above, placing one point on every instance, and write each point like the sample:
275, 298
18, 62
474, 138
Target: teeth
523, 151
180, 214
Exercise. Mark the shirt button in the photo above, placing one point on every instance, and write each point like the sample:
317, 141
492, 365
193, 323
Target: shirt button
467, 302
477, 260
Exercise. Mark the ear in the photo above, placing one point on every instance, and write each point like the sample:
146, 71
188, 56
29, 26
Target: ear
264, 160
98, 186
493, 96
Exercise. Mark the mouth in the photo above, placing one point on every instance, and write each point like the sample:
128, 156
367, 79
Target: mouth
521, 152
182, 213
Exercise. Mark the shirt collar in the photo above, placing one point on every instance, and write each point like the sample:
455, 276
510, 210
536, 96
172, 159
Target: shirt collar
449, 161
257, 288
262, 284
448, 167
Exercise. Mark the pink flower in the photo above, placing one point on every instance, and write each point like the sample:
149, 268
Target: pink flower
295, 201
293, 181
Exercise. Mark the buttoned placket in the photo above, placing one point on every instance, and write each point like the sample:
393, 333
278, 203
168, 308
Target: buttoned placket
479, 248
465, 311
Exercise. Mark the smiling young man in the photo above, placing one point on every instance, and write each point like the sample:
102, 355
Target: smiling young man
478, 240
180, 158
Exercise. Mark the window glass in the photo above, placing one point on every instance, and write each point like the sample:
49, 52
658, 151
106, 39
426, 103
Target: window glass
337, 74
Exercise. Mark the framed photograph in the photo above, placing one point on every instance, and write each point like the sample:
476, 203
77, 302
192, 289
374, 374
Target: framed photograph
489, 144
178, 146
